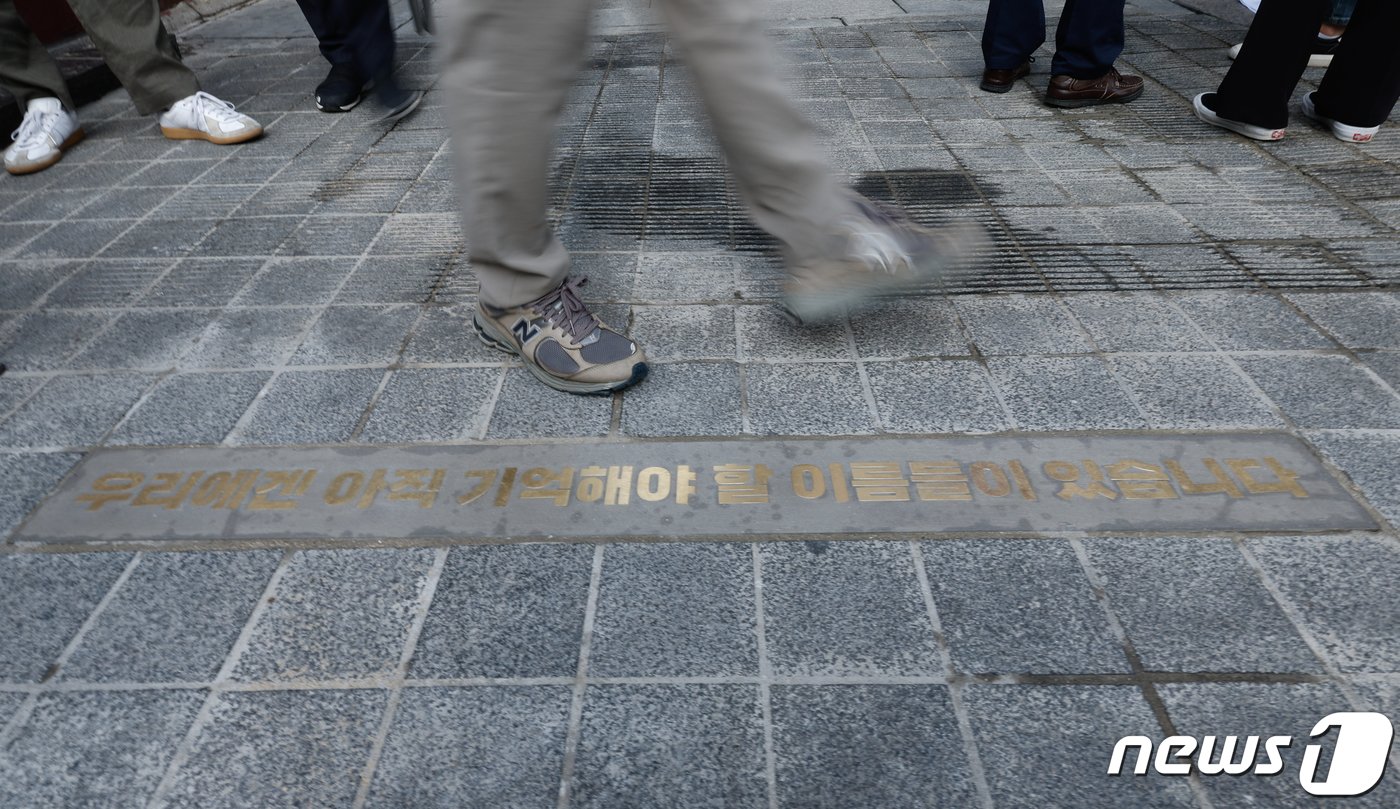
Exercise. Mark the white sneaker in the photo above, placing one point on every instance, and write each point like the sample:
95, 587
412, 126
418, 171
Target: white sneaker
1205, 113
1346, 132
45, 133
204, 117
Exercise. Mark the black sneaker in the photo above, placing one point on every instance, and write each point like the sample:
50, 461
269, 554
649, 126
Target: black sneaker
396, 101
562, 343
341, 90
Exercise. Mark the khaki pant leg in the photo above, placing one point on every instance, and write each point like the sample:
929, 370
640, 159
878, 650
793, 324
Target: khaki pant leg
776, 155
26, 70
508, 67
139, 51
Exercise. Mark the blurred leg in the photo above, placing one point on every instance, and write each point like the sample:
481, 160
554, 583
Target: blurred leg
26, 70
139, 50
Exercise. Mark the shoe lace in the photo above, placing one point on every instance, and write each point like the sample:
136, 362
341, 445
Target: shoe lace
564, 309
35, 127
214, 107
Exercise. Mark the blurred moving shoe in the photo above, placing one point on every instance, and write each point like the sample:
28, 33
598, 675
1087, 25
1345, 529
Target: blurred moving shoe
47, 131
1346, 132
1322, 51
1204, 111
397, 102
1001, 80
1110, 88
204, 117
341, 90
562, 343
885, 253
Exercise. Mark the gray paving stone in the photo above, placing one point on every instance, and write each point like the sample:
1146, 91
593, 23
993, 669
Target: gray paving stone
1245, 321
652, 745
338, 615
1358, 320
685, 398
247, 236
915, 327
685, 332
67, 240
301, 280
26, 479
1386, 365
9, 704
356, 335
663, 276
1018, 606
1063, 393
869, 745
397, 279
242, 338
1380, 696
145, 340
527, 408
1193, 392
1135, 321
15, 389
446, 335
1232, 624
674, 610
1014, 726
152, 238
280, 748
764, 334
845, 608
935, 396
190, 409
73, 411
203, 282
1264, 709
1020, 324
106, 283
454, 747
333, 236
45, 600
24, 282
43, 341
432, 405
174, 620
1324, 391
507, 611
310, 407
808, 399
95, 749
1344, 588
1368, 460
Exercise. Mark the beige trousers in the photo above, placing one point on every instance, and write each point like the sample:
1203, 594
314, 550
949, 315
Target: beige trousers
509, 65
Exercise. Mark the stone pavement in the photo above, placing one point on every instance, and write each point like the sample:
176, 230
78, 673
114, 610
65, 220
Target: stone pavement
1149, 277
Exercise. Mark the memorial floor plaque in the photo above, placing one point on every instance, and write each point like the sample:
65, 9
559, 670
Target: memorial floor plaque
696, 489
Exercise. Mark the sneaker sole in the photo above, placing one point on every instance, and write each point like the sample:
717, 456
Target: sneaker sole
399, 114
1340, 131
1238, 127
72, 141
639, 371
342, 108
1075, 103
176, 133
997, 88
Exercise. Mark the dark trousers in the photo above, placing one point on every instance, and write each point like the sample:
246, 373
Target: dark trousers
1359, 89
1087, 41
354, 33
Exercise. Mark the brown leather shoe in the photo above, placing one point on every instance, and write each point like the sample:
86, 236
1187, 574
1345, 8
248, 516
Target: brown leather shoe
999, 81
1110, 88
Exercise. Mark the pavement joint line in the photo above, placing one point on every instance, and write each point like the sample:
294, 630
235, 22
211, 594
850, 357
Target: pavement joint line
415, 631
481, 422
160, 795
765, 677
580, 683
26, 709
867, 391
952, 678
1147, 688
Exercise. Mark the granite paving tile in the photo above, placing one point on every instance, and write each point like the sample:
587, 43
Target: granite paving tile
1318, 391
1368, 461
526, 408
1063, 393
1193, 392
1249, 321
1020, 324
43, 601
174, 619
310, 407
73, 411
675, 610
190, 408
935, 396
869, 745
685, 399
356, 335
420, 405
1135, 321
691, 745
807, 399
340, 614
154, 340
43, 341
1358, 320
482, 746
242, 338
95, 749
506, 611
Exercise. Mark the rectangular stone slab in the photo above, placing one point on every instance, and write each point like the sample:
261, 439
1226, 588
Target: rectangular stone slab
764, 487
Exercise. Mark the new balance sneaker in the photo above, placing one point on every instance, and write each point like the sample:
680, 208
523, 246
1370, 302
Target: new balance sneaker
1346, 132
341, 90
885, 253
204, 117
1323, 50
562, 343
47, 131
1202, 104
